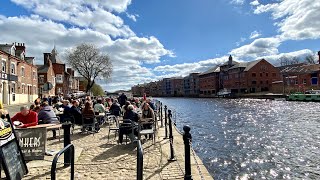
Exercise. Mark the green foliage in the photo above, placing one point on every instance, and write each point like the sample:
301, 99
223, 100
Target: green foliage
96, 89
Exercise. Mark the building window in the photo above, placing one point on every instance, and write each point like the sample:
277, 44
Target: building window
41, 79
13, 68
314, 81
59, 78
267, 82
260, 74
4, 66
274, 74
261, 82
253, 74
304, 81
296, 81
34, 74
22, 89
13, 88
267, 74
22, 71
59, 90
254, 82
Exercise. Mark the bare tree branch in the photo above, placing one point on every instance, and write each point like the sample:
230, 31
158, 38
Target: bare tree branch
90, 63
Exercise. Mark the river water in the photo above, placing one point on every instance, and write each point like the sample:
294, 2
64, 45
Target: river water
252, 138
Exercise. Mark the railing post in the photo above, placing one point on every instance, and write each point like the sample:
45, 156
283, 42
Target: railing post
187, 138
165, 122
172, 158
66, 141
161, 116
139, 161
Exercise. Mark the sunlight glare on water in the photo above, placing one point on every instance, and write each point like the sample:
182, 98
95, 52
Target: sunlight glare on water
251, 138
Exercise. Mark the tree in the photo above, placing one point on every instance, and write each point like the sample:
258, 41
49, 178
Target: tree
90, 63
96, 89
310, 59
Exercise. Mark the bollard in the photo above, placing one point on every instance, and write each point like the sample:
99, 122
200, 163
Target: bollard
161, 116
172, 158
66, 141
186, 139
165, 122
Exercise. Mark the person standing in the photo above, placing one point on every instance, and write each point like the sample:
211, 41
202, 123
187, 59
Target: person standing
122, 99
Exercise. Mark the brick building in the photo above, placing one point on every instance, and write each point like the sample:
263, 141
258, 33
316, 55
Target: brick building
254, 76
209, 82
46, 75
18, 76
298, 78
191, 85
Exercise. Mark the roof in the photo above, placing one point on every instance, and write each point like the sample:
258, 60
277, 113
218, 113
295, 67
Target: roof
211, 70
252, 64
301, 68
227, 63
42, 68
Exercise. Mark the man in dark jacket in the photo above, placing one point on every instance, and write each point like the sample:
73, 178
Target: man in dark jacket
115, 108
46, 115
122, 99
129, 126
76, 112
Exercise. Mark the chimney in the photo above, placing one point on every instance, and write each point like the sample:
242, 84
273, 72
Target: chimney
319, 56
230, 61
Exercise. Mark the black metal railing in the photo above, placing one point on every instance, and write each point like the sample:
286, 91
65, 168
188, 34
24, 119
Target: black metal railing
139, 160
68, 149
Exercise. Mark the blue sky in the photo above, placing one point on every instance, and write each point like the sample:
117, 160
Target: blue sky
151, 39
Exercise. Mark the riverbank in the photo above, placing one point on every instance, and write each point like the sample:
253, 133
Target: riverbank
100, 158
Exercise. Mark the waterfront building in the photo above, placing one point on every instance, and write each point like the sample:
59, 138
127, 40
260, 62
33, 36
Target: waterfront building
137, 90
18, 76
251, 77
191, 85
209, 82
166, 87
176, 86
298, 78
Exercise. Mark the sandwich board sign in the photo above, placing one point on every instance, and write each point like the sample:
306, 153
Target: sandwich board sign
11, 157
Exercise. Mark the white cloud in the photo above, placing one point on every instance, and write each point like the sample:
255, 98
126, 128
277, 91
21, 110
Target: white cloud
275, 59
186, 68
259, 47
93, 14
133, 17
296, 19
255, 3
254, 35
238, 2
242, 39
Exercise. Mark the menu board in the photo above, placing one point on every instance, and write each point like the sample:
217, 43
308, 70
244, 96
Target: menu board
32, 142
10, 152
13, 161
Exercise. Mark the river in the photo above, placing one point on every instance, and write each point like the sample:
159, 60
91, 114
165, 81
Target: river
252, 138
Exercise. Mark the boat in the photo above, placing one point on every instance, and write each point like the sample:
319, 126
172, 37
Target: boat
310, 95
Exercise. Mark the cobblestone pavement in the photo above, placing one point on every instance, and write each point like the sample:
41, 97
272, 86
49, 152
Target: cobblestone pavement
106, 159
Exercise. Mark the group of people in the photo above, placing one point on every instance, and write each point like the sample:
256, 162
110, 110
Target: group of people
54, 110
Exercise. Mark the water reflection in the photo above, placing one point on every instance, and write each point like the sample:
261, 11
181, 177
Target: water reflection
258, 139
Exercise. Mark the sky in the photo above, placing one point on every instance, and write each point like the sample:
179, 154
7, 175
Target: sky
148, 40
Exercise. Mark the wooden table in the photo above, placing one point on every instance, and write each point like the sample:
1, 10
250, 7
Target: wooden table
47, 126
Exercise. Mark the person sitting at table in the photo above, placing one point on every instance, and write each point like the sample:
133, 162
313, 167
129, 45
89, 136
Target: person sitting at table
76, 112
147, 112
125, 107
151, 104
26, 117
115, 108
129, 118
88, 111
98, 107
130, 114
66, 110
46, 115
